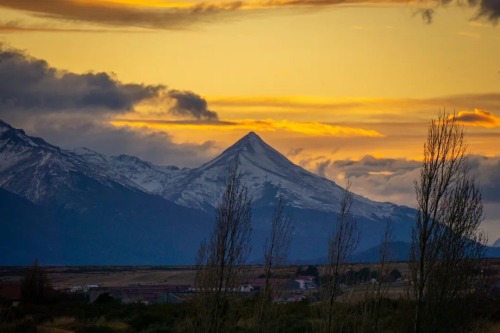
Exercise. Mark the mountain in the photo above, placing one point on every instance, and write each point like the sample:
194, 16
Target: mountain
313, 200
94, 209
57, 206
496, 243
267, 174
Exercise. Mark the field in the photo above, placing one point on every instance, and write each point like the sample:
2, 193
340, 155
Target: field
65, 277
356, 309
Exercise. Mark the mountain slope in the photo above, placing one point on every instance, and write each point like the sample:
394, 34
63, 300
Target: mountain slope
266, 172
96, 209
62, 209
313, 201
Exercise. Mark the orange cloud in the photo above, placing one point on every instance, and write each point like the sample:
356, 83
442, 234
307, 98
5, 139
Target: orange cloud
307, 128
478, 118
178, 14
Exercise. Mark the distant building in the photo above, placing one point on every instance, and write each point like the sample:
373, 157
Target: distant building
306, 282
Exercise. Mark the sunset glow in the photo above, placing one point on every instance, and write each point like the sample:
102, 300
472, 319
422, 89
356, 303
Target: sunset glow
337, 87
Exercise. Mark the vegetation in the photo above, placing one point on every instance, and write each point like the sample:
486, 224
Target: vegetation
341, 246
275, 255
220, 260
358, 313
446, 241
35, 284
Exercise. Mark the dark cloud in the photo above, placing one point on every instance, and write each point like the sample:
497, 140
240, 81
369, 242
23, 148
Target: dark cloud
124, 15
73, 110
115, 14
490, 9
183, 16
33, 86
187, 103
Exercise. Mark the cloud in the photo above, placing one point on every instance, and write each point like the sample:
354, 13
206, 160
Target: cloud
30, 86
307, 128
187, 103
143, 15
488, 8
157, 147
175, 15
321, 167
286, 102
478, 118
33, 86
485, 169
392, 180
294, 152
365, 109
74, 110
381, 179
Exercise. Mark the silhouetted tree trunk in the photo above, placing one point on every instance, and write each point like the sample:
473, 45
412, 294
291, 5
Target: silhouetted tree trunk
342, 244
35, 285
386, 257
220, 260
446, 241
275, 254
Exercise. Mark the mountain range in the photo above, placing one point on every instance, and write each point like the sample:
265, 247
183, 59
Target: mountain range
79, 207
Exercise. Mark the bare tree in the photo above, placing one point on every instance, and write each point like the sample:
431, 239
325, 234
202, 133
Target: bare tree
446, 241
35, 284
220, 260
342, 244
386, 256
275, 254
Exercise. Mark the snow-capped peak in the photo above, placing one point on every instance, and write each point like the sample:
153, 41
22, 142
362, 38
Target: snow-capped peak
267, 174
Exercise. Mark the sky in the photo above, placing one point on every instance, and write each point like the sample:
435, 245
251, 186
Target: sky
345, 89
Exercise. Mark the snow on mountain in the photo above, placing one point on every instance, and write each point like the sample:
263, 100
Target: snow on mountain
152, 178
138, 173
119, 198
70, 208
267, 174
38, 171
32, 168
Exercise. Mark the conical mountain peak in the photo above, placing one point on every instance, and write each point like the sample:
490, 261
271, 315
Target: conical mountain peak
254, 150
251, 139
252, 136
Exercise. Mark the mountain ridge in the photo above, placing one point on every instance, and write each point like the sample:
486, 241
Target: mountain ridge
135, 211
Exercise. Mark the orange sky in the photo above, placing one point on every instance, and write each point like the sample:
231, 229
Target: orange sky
318, 80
